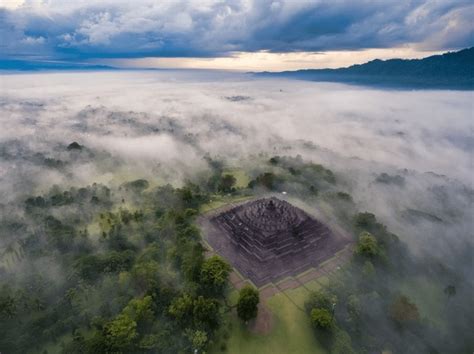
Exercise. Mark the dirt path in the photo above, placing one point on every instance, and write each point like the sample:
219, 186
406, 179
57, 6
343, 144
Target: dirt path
295, 282
263, 324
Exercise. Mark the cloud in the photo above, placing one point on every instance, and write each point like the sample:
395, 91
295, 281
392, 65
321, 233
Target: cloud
121, 29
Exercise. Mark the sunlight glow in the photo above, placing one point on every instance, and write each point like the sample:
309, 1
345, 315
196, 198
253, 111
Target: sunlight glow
266, 61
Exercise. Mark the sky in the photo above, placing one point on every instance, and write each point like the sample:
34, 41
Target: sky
235, 34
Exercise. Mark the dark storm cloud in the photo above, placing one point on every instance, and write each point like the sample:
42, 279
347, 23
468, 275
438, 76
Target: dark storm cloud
56, 29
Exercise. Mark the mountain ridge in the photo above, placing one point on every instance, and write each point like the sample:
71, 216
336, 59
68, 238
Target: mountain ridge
448, 70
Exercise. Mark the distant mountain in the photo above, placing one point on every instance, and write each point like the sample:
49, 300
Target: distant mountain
450, 70
29, 65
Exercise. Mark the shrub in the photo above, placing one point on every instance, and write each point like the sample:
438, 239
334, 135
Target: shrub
367, 245
321, 319
247, 305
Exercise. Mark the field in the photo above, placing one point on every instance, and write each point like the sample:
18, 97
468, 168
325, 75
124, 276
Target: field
290, 330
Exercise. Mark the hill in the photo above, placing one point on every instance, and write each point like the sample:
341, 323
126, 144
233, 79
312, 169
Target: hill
450, 70
31, 65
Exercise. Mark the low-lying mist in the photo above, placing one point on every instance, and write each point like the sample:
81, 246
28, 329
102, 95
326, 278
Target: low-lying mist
405, 156
160, 124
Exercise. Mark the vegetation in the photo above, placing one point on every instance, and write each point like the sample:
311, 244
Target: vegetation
290, 332
104, 269
140, 276
403, 311
370, 315
321, 319
226, 184
247, 305
367, 245
448, 70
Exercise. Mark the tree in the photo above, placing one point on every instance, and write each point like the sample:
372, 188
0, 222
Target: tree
321, 319
192, 196
117, 261
145, 275
274, 160
198, 339
214, 275
8, 306
403, 311
226, 183
247, 305
201, 312
341, 343
205, 313
74, 146
367, 245
121, 333
268, 180
88, 267
191, 261
140, 310
365, 220
137, 186
320, 299
182, 309
368, 269
353, 308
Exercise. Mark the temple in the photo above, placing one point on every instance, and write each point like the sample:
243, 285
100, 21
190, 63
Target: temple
269, 239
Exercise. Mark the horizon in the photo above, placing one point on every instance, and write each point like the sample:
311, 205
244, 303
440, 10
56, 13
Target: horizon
118, 65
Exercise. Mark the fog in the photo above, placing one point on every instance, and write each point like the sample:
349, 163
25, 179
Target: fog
404, 155
235, 115
161, 123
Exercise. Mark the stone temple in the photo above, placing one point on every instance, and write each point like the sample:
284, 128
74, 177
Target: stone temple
269, 239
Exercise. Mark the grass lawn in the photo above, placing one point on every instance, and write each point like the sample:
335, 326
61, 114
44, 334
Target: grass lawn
291, 332
324, 280
313, 285
218, 201
298, 295
242, 179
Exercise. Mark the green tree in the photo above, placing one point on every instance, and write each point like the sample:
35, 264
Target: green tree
140, 310
247, 305
8, 307
365, 221
368, 269
205, 313
198, 339
192, 260
88, 267
268, 180
182, 309
145, 275
121, 333
353, 308
341, 343
320, 299
214, 275
226, 183
201, 313
367, 245
117, 261
403, 311
321, 319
